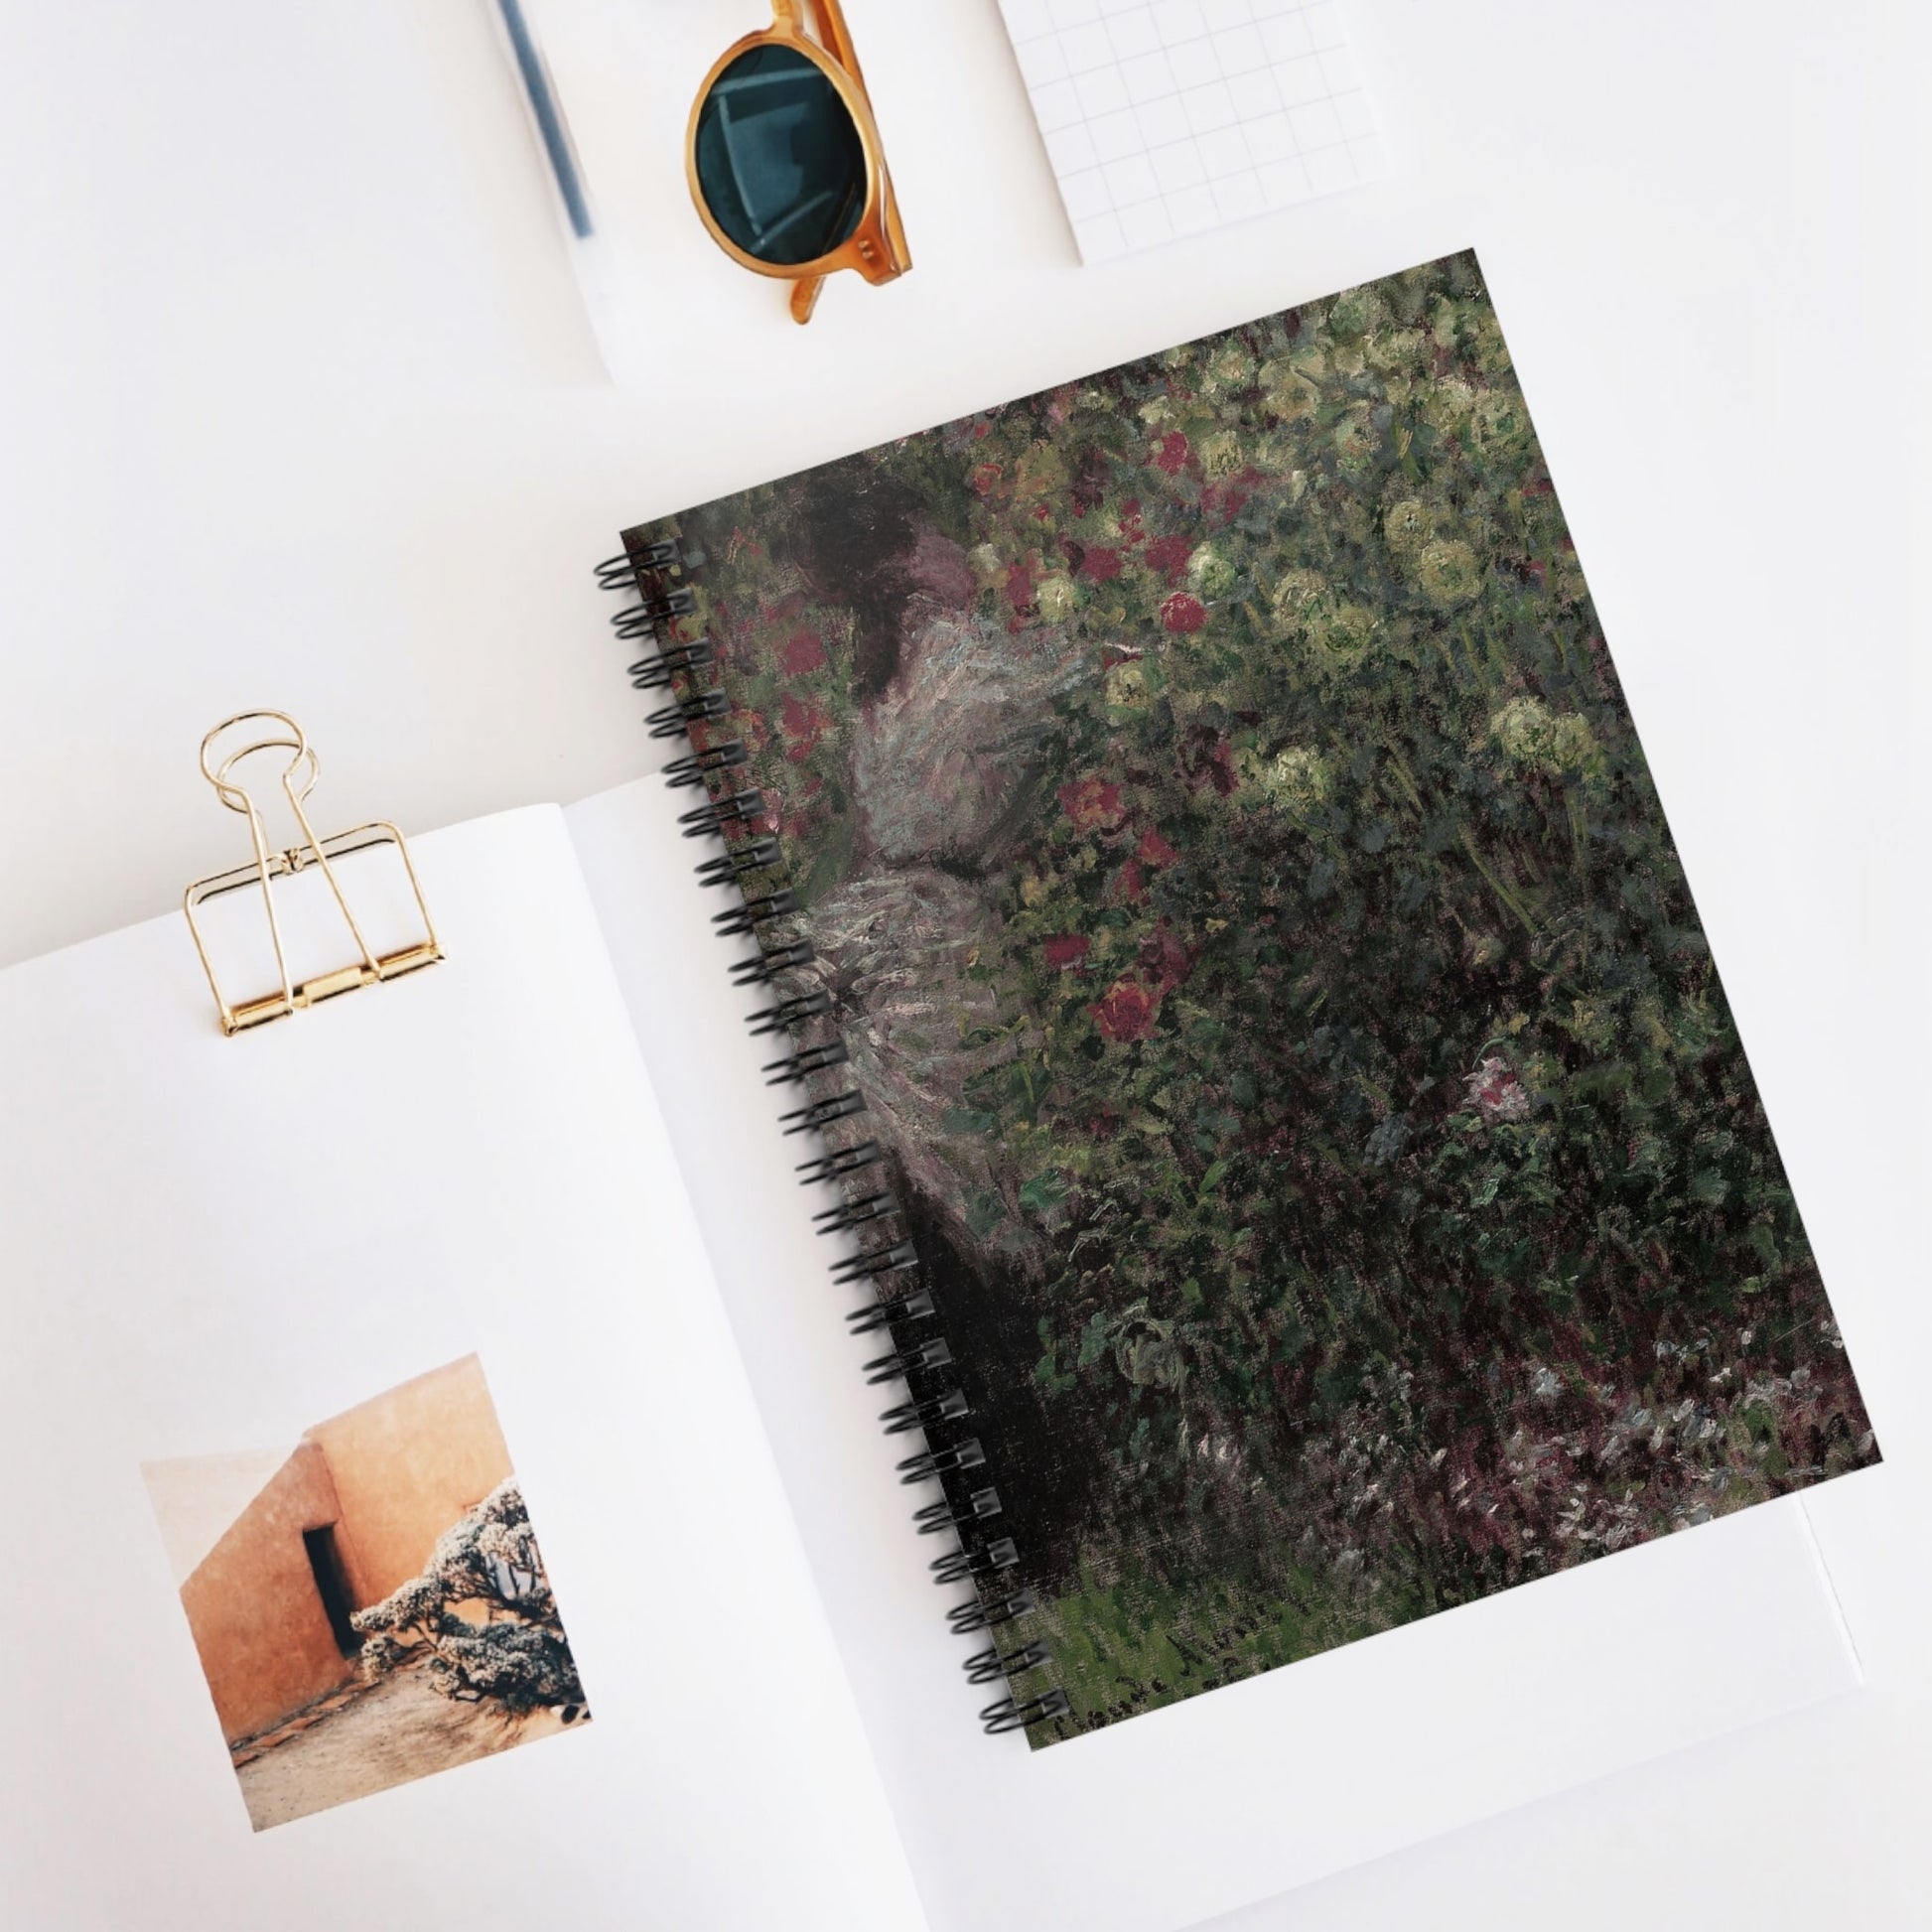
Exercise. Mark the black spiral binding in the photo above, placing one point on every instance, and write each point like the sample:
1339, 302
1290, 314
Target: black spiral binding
660, 574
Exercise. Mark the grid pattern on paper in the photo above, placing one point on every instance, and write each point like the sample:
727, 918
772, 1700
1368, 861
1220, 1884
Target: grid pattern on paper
1168, 117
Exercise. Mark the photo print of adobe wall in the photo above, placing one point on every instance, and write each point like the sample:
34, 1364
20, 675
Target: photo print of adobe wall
367, 1599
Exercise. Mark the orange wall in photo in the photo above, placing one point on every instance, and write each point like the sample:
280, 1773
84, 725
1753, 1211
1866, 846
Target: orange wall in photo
385, 1479
259, 1624
407, 1465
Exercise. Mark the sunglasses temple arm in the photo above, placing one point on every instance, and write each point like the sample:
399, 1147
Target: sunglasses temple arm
832, 30
805, 296
896, 232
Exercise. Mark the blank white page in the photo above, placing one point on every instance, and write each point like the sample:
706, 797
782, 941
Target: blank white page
1165, 118
1171, 1817
208, 1243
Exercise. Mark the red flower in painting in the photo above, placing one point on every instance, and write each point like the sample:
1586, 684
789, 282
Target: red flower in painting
1092, 804
1223, 502
1169, 555
1170, 453
985, 478
1153, 850
804, 725
1066, 949
1127, 1010
1101, 565
1129, 883
1183, 612
1019, 585
802, 653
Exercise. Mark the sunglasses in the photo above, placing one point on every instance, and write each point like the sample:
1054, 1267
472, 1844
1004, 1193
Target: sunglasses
784, 158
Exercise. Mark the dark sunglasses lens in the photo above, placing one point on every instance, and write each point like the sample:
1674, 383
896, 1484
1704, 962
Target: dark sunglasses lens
781, 164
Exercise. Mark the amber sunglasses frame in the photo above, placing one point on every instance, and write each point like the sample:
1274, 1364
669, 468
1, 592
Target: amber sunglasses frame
876, 248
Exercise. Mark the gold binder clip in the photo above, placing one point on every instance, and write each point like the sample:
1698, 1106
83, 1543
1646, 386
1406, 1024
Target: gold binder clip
298, 781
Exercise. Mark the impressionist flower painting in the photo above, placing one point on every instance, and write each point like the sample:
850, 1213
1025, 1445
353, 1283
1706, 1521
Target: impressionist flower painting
1222, 838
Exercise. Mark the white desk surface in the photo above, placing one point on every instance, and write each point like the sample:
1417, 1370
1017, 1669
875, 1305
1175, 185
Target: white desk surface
298, 407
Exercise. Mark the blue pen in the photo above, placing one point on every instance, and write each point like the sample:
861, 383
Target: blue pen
551, 130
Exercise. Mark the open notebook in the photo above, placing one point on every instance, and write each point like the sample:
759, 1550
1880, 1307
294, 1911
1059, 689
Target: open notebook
448, 1487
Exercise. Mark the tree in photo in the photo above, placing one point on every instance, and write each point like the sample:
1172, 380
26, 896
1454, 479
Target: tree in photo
510, 1650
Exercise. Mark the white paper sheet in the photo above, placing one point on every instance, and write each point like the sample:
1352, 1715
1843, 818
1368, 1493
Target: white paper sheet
1166, 118
1195, 1809
207, 1244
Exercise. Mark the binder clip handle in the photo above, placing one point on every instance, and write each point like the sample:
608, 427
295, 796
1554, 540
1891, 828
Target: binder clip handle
276, 731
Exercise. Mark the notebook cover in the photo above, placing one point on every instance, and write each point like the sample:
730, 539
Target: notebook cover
1217, 821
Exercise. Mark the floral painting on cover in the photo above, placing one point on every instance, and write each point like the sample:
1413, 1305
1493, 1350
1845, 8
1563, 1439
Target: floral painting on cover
1217, 823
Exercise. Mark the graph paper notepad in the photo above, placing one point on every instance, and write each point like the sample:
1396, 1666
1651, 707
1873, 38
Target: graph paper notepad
1168, 117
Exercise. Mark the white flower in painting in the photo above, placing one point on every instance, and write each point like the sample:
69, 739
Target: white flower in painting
1211, 571
1056, 596
1531, 734
1295, 779
1495, 1092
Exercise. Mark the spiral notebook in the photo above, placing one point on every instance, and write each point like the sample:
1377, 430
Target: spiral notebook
1225, 1014
1194, 835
